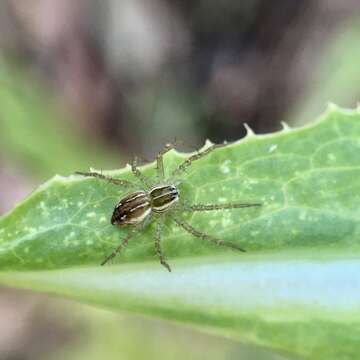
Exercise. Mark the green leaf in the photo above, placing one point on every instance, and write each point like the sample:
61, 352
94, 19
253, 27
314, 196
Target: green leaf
296, 290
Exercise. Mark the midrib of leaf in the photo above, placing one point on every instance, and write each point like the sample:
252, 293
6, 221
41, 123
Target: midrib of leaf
265, 300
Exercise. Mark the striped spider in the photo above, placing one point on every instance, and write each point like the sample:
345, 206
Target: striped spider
136, 209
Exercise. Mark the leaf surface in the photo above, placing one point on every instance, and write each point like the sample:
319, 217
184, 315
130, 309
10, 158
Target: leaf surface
296, 289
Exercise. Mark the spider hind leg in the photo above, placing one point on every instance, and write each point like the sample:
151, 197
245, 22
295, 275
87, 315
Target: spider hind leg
158, 246
120, 247
187, 227
224, 206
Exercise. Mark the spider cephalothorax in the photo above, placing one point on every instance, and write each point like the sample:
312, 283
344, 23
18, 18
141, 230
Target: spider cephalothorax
136, 208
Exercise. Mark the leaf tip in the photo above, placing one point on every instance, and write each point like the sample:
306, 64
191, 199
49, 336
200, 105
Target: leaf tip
58, 177
249, 131
285, 126
332, 107
55, 179
208, 143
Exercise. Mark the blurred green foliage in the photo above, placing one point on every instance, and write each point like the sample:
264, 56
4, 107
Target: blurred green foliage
34, 131
335, 76
106, 335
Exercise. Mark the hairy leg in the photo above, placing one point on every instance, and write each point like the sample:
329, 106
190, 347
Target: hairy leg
106, 178
124, 243
209, 207
182, 167
138, 174
158, 246
160, 162
203, 236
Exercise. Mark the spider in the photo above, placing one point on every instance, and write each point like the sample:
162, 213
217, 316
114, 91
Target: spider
136, 209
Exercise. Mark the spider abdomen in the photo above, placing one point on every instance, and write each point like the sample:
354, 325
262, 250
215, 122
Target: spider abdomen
132, 209
162, 197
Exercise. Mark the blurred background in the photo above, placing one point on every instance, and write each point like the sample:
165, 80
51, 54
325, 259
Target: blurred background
92, 83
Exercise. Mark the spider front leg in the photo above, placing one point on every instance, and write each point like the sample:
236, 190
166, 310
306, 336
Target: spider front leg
137, 173
161, 256
106, 178
160, 160
124, 243
182, 167
203, 236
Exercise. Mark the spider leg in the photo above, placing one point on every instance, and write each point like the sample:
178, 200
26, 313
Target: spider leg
137, 173
209, 207
182, 167
160, 162
106, 178
203, 236
158, 246
121, 246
